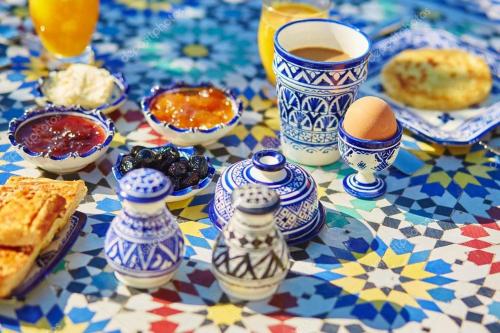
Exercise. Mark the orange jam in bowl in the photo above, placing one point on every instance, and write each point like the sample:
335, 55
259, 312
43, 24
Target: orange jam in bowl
202, 108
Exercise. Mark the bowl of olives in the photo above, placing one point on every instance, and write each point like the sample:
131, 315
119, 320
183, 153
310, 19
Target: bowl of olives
190, 173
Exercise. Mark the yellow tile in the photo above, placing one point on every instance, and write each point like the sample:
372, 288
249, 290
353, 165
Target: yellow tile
350, 269
416, 271
402, 298
372, 295
192, 228
464, 179
370, 259
118, 140
440, 177
417, 289
224, 314
394, 260
350, 285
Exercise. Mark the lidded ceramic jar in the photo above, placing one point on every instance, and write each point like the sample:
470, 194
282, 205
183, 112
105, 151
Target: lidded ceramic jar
250, 256
300, 215
144, 244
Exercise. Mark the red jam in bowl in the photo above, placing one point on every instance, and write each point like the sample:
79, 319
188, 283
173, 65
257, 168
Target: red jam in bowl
59, 135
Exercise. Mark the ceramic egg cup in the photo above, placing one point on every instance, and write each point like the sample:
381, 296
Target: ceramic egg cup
189, 136
68, 163
367, 157
181, 194
117, 99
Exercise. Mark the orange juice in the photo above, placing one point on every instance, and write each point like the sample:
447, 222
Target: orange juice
65, 27
274, 15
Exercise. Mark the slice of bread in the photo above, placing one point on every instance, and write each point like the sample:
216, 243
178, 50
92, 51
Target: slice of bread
29, 217
15, 263
49, 205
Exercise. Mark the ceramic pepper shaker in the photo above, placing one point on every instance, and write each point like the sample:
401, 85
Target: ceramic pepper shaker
250, 257
144, 244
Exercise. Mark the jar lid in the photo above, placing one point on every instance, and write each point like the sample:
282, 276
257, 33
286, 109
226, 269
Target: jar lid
299, 212
144, 186
255, 199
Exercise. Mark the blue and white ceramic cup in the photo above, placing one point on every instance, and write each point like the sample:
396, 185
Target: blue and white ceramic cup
312, 95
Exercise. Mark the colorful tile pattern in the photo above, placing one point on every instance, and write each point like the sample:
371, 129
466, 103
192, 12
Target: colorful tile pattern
424, 258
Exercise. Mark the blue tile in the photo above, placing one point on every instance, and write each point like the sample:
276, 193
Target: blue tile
428, 305
12, 157
419, 256
438, 267
97, 326
29, 313
401, 246
9, 323
388, 313
475, 191
494, 309
100, 229
328, 276
328, 290
105, 281
442, 294
365, 311
433, 189
109, 205
55, 316
80, 315
438, 280
409, 313
4, 147
359, 245
10, 167
198, 241
346, 300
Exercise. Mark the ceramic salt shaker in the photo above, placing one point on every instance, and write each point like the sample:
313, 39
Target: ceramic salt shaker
250, 257
144, 244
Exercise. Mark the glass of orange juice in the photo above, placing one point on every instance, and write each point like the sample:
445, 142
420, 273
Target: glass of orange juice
65, 27
276, 13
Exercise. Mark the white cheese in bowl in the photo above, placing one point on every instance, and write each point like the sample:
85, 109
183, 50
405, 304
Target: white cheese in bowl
79, 84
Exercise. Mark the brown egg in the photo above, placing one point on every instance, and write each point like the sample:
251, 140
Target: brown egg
370, 118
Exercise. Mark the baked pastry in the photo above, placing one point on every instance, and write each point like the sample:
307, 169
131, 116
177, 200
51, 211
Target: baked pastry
73, 191
31, 212
439, 79
28, 217
15, 263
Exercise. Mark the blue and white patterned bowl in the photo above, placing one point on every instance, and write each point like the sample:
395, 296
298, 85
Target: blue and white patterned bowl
70, 162
459, 127
189, 136
117, 99
300, 216
184, 193
367, 157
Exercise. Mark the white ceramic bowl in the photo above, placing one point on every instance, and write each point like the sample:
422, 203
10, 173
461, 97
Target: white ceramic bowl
70, 162
189, 136
117, 99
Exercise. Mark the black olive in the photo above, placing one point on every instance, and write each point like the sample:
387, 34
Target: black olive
199, 164
178, 169
135, 150
146, 158
176, 181
127, 164
168, 153
190, 179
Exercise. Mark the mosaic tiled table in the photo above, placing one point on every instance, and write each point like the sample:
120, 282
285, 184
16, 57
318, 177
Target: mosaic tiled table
424, 258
